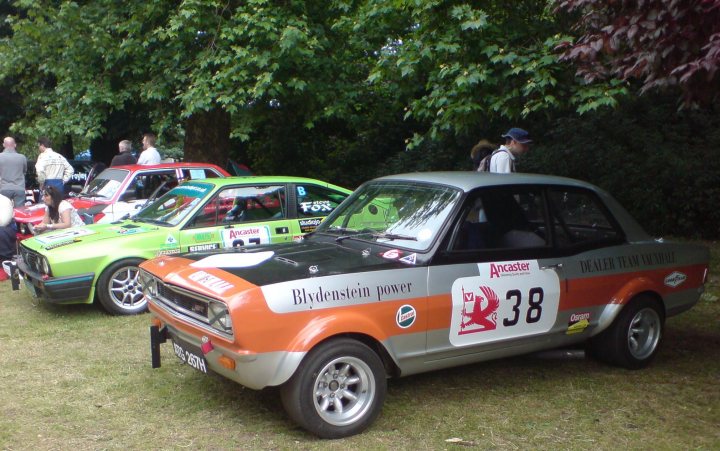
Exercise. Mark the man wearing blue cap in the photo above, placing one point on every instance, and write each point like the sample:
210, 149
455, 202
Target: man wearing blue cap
517, 142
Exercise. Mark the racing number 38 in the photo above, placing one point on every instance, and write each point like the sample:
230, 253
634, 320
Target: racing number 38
534, 311
529, 305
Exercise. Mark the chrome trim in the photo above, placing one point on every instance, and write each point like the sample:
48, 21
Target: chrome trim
184, 314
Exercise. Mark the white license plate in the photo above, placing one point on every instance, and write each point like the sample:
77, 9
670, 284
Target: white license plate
189, 356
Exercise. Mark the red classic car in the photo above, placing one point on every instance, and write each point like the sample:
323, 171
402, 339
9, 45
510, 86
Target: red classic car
119, 191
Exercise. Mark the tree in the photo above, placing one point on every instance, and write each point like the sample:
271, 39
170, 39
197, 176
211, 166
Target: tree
661, 43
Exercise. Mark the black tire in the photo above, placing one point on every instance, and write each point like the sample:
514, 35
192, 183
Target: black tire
119, 290
633, 339
338, 390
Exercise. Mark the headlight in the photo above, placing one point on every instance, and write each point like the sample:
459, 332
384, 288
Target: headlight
219, 317
148, 283
44, 265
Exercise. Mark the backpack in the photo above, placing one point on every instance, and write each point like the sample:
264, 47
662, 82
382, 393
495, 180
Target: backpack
484, 165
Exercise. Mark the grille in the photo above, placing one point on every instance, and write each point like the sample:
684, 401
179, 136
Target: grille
191, 305
31, 259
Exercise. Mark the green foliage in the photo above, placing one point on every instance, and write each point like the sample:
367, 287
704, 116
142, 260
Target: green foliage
666, 176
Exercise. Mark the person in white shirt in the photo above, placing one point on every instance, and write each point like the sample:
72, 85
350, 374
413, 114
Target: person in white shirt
517, 142
51, 167
150, 154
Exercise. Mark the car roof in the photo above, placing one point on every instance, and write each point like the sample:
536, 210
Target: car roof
267, 179
469, 180
139, 167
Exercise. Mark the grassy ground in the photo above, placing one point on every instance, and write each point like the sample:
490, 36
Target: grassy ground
75, 378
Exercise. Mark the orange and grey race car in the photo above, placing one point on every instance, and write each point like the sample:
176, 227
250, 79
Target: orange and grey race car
419, 272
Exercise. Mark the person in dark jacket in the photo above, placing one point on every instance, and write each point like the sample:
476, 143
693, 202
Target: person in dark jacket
125, 155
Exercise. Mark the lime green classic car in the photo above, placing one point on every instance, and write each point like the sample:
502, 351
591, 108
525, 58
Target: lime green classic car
77, 265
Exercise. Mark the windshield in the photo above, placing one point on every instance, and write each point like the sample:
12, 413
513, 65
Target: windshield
401, 214
172, 208
106, 184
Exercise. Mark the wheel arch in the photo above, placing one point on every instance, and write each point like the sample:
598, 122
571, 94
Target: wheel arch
105, 264
632, 290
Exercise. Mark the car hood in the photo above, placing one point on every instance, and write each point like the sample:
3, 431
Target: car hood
35, 213
292, 261
88, 234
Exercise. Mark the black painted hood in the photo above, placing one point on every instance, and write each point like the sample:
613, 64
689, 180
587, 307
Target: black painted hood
292, 261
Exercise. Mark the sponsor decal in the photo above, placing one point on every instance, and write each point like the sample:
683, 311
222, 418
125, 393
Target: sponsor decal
621, 262
66, 235
203, 247
212, 283
245, 236
509, 269
578, 322
308, 225
171, 241
479, 311
234, 260
203, 237
318, 206
366, 252
298, 238
405, 316
512, 299
344, 290
409, 259
193, 189
392, 254
168, 251
675, 279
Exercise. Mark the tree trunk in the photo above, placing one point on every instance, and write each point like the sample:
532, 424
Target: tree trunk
207, 137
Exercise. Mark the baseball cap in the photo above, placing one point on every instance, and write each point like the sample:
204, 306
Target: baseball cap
519, 135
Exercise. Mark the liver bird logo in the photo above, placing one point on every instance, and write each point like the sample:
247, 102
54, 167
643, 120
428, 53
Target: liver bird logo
483, 315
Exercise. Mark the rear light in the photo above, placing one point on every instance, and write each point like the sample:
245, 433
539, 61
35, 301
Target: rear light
206, 345
98, 217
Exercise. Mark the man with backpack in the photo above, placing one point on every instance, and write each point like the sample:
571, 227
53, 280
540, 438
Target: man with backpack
502, 160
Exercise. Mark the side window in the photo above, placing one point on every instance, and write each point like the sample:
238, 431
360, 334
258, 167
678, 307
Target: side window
241, 204
314, 201
579, 217
198, 173
143, 185
503, 218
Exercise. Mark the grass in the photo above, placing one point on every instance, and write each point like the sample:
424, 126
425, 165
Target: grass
72, 377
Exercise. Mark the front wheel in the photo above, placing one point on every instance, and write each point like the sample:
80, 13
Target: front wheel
119, 289
634, 337
338, 389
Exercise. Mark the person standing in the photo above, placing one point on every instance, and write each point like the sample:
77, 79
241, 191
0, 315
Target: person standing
59, 214
51, 167
150, 154
124, 155
13, 167
517, 142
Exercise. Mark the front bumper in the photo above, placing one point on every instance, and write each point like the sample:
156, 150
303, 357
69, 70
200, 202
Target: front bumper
73, 289
251, 370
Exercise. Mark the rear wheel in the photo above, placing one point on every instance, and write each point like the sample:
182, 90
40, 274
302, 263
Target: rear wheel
634, 337
119, 289
338, 389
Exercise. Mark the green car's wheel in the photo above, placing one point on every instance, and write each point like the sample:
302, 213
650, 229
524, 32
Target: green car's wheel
338, 389
119, 289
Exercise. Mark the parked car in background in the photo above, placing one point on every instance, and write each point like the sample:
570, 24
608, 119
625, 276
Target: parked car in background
101, 260
119, 191
419, 272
